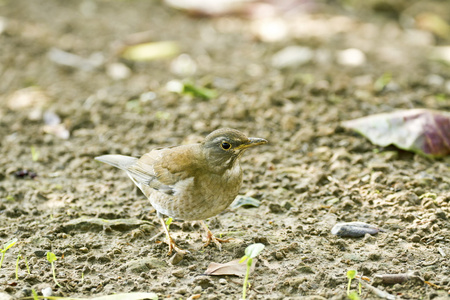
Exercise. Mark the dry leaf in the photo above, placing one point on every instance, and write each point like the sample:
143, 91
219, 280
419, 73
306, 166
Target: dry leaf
230, 268
422, 131
151, 51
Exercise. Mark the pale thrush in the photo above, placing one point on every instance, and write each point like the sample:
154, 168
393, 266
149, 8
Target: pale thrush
190, 182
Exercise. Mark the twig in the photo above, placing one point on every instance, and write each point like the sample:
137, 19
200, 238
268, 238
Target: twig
156, 236
378, 292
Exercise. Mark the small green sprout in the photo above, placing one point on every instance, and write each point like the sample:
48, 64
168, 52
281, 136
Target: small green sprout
382, 82
168, 222
199, 91
251, 252
26, 264
35, 295
35, 153
51, 257
5, 248
428, 195
353, 296
17, 266
351, 274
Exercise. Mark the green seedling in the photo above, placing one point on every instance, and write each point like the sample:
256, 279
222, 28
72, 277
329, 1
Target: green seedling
35, 153
51, 257
168, 222
351, 274
5, 248
353, 296
17, 266
198, 91
382, 82
35, 295
251, 252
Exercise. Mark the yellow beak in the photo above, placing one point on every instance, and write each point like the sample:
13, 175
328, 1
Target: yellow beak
252, 142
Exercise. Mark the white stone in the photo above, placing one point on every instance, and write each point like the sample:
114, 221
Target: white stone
351, 57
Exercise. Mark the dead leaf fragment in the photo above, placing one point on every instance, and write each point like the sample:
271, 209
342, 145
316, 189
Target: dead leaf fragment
208, 8
422, 131
151, 51
230, 268
354, 229
434, 23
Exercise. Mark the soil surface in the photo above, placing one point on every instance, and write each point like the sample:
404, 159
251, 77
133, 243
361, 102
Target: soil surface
312, 174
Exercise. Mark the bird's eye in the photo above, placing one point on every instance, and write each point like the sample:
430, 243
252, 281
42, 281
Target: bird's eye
225, 146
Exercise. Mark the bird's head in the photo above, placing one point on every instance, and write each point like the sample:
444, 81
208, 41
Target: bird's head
223, 147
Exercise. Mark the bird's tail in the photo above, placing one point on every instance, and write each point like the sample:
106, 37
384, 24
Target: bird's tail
118, 161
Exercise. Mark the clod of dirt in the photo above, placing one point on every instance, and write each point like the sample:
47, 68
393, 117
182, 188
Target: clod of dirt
145, 264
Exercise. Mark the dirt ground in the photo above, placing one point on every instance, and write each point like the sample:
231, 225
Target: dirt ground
311, 175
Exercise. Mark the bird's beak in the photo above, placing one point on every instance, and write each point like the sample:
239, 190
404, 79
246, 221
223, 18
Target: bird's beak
252, 142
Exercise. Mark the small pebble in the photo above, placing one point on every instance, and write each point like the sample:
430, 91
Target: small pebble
292, 56
179, 273
440, 214
118, 71
223, 281
181, 291
47, 292
176, 259
279, 255
415, 238
275, 208
351, 57
354, 229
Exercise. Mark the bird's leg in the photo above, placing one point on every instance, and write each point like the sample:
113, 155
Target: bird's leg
210, 237
170, 242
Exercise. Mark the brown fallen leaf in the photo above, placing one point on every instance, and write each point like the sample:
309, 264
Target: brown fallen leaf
423, 131
230, 268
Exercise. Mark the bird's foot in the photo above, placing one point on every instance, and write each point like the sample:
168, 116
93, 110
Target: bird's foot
170, 241
211, 237
173, 246
216, 241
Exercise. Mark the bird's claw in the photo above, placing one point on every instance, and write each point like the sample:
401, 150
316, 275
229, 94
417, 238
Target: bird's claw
173, 246
211, 237
217, 241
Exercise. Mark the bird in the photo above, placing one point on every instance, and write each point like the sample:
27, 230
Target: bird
191, 182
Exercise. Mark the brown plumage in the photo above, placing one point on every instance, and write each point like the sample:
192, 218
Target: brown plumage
190, 182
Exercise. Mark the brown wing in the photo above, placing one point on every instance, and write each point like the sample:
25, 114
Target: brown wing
162, 169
